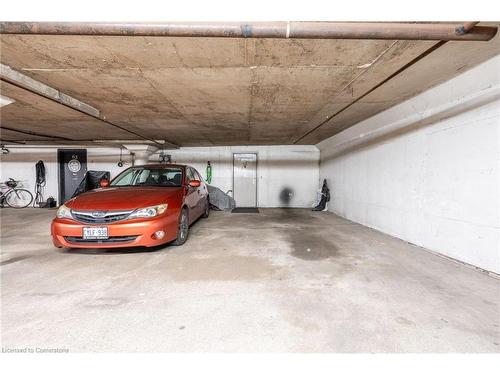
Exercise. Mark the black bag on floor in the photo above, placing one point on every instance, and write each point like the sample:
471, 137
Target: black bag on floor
49, 203
325, 197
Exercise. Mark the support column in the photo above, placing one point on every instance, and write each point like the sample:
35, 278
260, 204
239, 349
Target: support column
141, 152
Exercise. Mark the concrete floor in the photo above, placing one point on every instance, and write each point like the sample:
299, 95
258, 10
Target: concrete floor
281, 280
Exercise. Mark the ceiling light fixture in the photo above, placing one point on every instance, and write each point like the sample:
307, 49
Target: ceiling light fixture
5, 101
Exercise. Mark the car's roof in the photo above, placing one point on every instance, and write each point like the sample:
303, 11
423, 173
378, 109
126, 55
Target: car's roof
163, 165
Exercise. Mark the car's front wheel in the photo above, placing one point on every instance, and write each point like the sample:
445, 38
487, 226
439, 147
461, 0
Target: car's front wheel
183, 229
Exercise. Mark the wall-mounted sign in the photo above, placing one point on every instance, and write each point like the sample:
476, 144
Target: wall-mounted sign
72, 168
74, 165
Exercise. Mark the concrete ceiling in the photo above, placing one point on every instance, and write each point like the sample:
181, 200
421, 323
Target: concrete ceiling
218, 91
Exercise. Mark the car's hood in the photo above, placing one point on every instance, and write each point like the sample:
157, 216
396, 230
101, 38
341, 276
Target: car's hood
126, 198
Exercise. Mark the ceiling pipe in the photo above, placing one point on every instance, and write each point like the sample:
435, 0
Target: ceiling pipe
466, 31
465, 28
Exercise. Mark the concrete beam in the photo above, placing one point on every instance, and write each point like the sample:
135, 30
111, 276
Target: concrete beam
57, 141
379, 84
163, 143
36, 134
19, 79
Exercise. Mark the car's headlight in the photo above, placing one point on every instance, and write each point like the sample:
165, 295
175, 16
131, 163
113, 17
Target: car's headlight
64, 212
149, 211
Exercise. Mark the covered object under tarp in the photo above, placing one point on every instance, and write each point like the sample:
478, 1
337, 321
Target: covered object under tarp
219, 199
91, 181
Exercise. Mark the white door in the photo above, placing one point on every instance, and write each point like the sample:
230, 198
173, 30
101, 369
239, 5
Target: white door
245, 180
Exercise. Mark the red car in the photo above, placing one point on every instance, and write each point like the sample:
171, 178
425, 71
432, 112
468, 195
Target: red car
146, 205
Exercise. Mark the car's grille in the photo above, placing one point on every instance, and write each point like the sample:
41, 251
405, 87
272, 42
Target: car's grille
115, 239
90, 217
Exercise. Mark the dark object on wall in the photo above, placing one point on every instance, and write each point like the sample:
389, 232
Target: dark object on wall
165, 158
120, 162
286, 196
325, 197
40, 182
72, 168
220, 200
91, 181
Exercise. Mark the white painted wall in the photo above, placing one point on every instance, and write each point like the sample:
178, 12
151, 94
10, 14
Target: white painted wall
20, 165
296, 167
427, 170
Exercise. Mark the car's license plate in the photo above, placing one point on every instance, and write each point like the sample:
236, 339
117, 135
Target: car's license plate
95, 233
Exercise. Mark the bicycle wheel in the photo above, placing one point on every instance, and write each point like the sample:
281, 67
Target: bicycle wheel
18, 198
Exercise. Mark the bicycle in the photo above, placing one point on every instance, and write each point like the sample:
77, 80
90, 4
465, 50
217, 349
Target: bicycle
14, 196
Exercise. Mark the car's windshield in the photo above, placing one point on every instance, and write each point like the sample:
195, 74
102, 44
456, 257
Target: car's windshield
149, 176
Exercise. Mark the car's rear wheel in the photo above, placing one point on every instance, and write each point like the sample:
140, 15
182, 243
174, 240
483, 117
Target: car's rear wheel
207, 209
183, 229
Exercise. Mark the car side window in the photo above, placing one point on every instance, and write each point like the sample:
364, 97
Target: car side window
198, 175
189, 174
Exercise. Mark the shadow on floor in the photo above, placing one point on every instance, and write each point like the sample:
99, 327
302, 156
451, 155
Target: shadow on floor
124, 250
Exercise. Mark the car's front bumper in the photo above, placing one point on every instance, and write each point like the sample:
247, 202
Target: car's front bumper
126, 233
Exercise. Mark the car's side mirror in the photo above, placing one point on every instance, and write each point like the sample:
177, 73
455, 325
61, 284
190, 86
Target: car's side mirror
104, 183
194, 183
